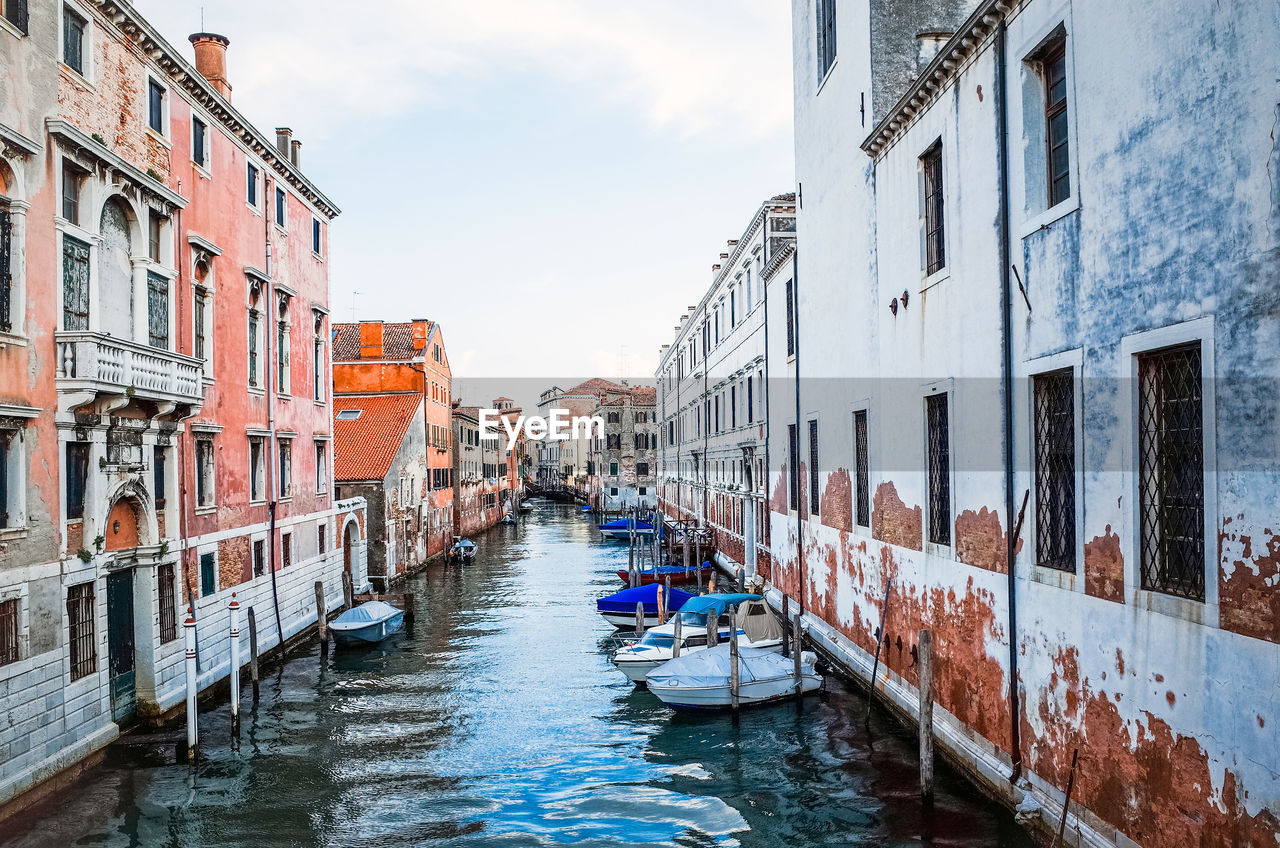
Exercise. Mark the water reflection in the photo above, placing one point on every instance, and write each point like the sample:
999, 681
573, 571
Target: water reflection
496, 719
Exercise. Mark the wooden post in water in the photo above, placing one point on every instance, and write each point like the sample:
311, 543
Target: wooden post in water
632, 577
742, 579
786, 627
322, 618
679, 628
348, 591
925, 650
253, 652
639, 619
733, 666
795, 658
713, 628
711, 581
662, 604
697, 556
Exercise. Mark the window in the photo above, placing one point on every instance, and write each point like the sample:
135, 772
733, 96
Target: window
793, 467
6, 269
259, 558
320, 538
322, 468
255, 363
257, 469
826, 36
199, 142
1171, 471
733, 309
642, 469
251, 185
9, 630
317, 360
155, 106
75, 284
862, 470
613, 490
77, 478
155, 224
208, 574
281, 207
73, 27
643, 491
158, 475
613, 469
791, 319
813, 467
285, 448
934, 236
613, 418
157, 310
168, 602
16, 12
201, 321
70, 192
750, 400
286, 550
1055, 469
80, 617
282, 347
939, 470
1054, 70
204, 472
315, 239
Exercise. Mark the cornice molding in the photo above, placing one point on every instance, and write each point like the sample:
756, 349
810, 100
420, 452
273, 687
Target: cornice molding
99, 158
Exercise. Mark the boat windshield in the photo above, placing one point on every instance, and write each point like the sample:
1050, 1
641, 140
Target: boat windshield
693, 619
654, 639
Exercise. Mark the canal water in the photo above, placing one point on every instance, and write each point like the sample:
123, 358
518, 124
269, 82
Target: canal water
498, 720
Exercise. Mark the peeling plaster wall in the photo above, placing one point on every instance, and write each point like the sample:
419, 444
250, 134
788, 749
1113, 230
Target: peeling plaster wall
1171, 704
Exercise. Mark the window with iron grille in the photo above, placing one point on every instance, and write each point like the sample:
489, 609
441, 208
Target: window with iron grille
1171, 471
791, 319
254, 332
259, 558
286, 550
1054, 69
158, 474
320, 538
939, 470
77, 478
826, 36
6, 269
168, 602
9, 632
73, 40
862, 470
934, 235
157, 311
793, 470
1055, 469
813, 467
16, 12
75, 284
208, 574
80, 618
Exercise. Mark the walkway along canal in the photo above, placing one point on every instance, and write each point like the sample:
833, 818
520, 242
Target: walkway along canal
497, 719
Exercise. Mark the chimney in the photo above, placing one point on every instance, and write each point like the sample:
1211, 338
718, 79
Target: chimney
370, 339
211, 59
283, 136
715, 267
419, 333
295, 147
724, 256
733, 242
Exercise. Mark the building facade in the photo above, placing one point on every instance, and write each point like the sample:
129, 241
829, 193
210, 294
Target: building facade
712, 396
488, 477
567, 462
624, 470
164, 392
393, 446
998, 309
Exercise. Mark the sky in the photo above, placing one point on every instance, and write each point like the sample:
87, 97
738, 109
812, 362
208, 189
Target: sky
551, 181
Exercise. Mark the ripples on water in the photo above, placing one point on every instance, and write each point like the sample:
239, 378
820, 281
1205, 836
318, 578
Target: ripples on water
498, 720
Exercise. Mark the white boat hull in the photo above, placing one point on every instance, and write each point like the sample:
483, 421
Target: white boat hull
637, 662
628, 619
749, 694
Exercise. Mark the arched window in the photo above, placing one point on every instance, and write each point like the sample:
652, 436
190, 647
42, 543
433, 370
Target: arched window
115, 271
613, 418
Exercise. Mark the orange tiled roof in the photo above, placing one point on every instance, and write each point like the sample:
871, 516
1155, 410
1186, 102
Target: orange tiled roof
594, 386
364, 447
397, 342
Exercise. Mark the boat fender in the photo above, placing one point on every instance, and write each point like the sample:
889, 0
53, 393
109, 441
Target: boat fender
810, 659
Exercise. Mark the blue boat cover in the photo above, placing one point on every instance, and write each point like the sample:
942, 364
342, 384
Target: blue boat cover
626, 600
720, 602
622, 524
370, 612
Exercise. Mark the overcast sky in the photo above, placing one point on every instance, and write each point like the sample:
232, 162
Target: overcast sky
551, 180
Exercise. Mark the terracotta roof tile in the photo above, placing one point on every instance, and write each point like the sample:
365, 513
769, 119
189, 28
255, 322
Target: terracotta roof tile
594, 386
397, 342
364, 447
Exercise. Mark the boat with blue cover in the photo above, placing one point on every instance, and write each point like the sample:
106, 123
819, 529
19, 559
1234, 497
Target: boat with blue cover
366, 624
622, 528
619, 608
463, 549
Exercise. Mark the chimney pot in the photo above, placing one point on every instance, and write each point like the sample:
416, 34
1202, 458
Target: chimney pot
211, 59
283, 136
295, 148
370, 339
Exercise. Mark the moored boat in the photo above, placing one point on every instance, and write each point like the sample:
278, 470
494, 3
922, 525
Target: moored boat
463, 550
367, 623
619, 609
700, 680
677, 575
623, 527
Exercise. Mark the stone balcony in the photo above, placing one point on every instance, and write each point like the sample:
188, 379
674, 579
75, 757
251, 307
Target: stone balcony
97, 367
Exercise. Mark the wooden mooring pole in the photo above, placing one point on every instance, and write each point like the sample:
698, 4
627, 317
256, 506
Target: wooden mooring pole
322, 618
233, 613
1066, 804
875, 666
786, 627
679, 634
662, 604
925, 651
795, 660
639, 619
348, 590
193, 725
253, 652
733, 668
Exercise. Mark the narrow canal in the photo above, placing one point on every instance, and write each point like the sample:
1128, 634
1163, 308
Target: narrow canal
498, 720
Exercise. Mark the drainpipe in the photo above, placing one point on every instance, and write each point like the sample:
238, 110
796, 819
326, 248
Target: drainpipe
795, 320
182, 454
1006, 374
269, 369
764, 386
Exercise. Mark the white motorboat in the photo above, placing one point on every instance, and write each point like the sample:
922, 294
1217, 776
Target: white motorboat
757, 628
700, 680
